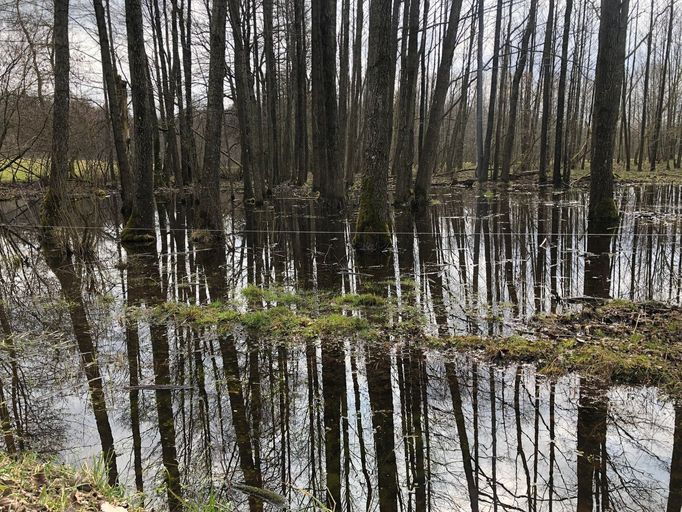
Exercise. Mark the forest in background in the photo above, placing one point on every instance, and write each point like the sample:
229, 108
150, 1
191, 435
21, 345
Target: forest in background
335, 93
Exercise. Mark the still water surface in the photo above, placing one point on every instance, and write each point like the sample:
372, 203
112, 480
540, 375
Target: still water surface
193, 412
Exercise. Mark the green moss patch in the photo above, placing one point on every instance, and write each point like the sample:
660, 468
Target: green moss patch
280, 315
359, 300
272, 296
619, 342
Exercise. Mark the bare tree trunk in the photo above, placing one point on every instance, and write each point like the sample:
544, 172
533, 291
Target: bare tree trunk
561, 97
624, 127
501, 118
645, 97
171, 166
493, 95
354, 130
207, 201
427, 158
325, 109
659, 109
271, 93
176, 94
626, 100
115, 114
403, 159
140, 226
395, 22
678, 163
53, 205
344, 83
607, 88
547, 65
514, 94
422, 91
253, 183
189, 152
576, 122
481, 170
372, 228
528, 120
463, 110
300, 136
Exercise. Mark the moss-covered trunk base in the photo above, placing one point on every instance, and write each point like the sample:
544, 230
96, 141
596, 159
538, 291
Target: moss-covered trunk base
603, 214
134, 235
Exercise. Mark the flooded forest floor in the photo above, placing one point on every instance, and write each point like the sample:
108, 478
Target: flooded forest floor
498, 355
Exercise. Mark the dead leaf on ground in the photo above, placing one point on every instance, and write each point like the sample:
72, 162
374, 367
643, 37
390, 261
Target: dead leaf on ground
108, 507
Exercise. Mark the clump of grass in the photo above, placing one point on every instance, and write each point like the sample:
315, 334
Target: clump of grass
29, 483
271, 296
273, 313
359, 300
214, 313
619, 365
210, 503
508, 349
131, 236
204, 236
277, 321
225, 317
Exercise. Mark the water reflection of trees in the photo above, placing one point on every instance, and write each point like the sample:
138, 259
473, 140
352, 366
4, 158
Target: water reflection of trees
365, 425
70, 280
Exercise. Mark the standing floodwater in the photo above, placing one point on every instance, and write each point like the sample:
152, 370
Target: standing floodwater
98, 360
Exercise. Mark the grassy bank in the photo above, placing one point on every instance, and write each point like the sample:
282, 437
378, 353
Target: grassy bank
579, 177
30, 169
662, 175
28, 483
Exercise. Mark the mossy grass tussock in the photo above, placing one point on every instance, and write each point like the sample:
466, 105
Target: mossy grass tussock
278, 315
359, 300
617, 341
